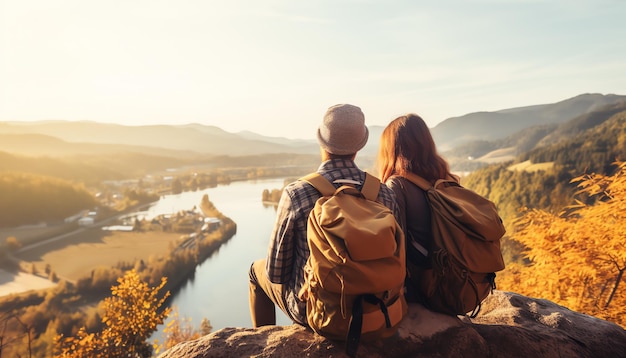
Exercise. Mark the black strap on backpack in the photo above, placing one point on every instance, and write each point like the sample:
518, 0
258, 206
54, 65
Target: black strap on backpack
356, 321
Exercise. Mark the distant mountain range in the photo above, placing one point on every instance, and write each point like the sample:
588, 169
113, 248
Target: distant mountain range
500, 124
187, 138
468, 137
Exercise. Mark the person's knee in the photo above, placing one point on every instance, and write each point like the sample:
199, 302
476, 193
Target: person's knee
252, 274
254, 268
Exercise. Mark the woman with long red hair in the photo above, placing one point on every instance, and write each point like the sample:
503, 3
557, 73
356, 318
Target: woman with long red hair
407, 146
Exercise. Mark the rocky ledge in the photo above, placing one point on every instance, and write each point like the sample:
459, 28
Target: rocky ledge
509, 325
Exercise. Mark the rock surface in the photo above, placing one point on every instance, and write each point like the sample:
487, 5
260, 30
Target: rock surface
509, 325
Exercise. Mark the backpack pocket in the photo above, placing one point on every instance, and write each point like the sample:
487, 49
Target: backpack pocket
451, 289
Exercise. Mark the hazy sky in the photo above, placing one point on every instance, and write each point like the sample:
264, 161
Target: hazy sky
273, 67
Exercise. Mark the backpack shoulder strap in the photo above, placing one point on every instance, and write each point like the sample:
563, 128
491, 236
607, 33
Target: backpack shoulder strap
371, 187
419, 181
320, 183
426, 185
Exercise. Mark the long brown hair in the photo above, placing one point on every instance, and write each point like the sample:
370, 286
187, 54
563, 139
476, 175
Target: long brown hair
406, 146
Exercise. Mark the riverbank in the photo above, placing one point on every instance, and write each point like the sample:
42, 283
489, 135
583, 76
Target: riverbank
76, 253
76, 303
219, 289
73, 258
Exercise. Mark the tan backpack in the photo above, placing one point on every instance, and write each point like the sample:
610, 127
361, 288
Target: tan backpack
459, 271
354, 277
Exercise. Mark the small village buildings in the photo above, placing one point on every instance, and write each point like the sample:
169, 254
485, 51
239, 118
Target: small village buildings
86, 221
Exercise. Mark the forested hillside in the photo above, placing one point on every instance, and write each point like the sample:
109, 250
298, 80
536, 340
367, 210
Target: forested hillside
26, 196
42, 189
93, 169
501, 124
548, 186
592, 152
563, 206
88, 170
476, 154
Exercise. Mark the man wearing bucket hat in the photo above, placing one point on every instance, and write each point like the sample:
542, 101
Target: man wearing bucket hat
277, 279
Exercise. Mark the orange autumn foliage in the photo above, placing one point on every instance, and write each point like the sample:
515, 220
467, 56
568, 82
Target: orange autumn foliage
577, 258
130, 316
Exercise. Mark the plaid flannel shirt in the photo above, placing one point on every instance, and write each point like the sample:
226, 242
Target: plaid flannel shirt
288, 250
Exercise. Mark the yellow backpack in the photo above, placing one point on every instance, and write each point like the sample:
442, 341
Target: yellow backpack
354, 277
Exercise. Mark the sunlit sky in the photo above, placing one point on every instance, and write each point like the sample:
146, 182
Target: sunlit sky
273, 67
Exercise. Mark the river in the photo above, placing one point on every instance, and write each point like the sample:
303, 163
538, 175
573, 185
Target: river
219, 288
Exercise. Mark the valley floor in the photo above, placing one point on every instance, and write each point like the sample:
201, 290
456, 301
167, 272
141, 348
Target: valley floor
75, 257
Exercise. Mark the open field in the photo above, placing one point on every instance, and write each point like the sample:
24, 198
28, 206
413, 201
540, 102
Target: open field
27, 235
530, 167
498, 155
11, 282
75, 257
